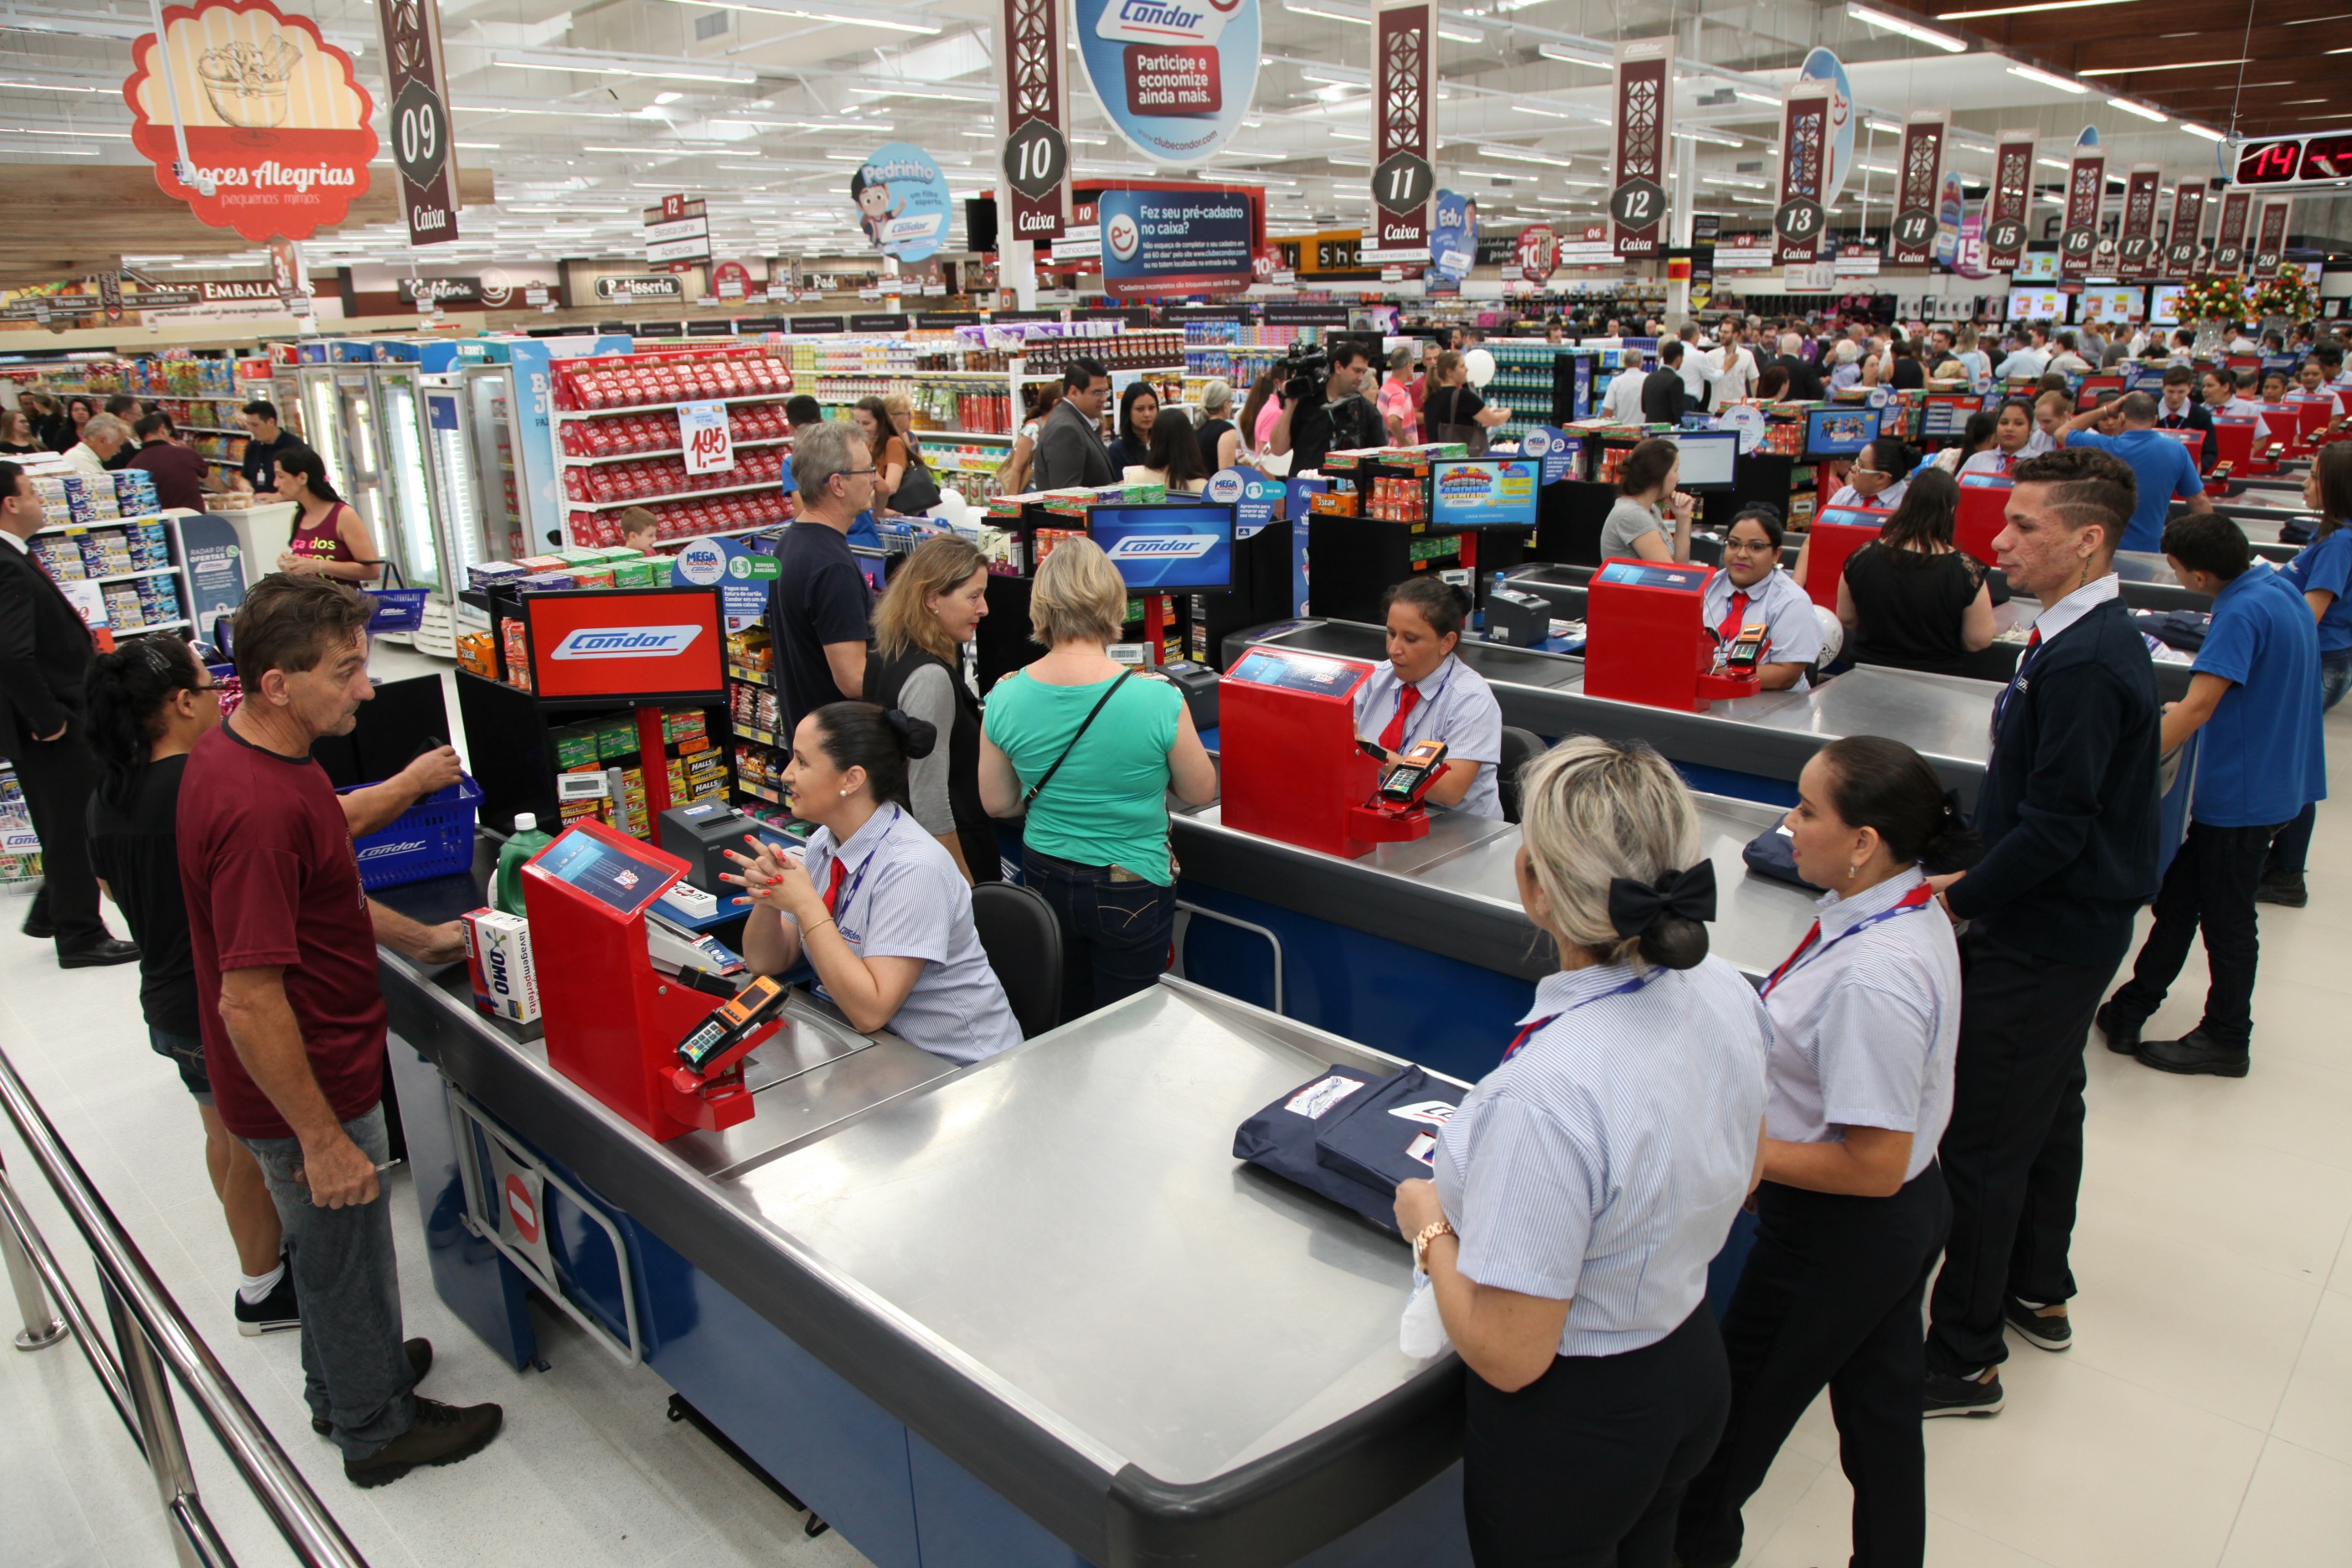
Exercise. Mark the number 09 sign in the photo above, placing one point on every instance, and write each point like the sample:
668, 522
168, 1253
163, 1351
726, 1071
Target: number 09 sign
703, 432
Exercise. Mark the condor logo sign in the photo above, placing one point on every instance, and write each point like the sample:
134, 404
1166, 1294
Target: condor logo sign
1164, 547
625, 642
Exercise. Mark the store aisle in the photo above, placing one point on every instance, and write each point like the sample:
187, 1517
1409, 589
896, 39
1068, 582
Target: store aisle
2203, 1420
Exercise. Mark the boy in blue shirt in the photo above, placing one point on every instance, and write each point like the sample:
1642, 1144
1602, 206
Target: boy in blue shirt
2164, 468
2322, 573
2254, 692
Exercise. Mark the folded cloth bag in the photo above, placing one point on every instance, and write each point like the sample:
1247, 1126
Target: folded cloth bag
1281, 1138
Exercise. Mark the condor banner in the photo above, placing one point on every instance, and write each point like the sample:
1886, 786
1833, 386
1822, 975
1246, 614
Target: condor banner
276, 123
1191, 241
902, 201
1824, 69
1174, 75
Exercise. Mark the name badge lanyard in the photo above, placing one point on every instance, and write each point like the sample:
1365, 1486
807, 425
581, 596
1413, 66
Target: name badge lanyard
1916, 898
1622, 989
840, 906
1428, 700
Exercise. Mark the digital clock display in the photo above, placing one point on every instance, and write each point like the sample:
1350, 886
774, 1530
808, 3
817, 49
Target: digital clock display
2296, 160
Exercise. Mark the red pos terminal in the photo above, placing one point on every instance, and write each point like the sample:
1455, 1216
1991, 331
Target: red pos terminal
1838, 532
1289, 763
1984, 511
613, 1021
1636, 613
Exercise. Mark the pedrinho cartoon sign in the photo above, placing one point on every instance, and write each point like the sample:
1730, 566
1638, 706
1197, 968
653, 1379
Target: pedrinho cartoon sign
902, 201
1174, 75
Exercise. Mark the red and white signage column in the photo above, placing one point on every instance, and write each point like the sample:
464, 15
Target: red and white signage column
2229, 244
1913, 240
2013, 192
2086, 189
2181, 243
1798, 223
1645, 108
420, 119
2138, 253
1036, 109
1405, 81
2270, 239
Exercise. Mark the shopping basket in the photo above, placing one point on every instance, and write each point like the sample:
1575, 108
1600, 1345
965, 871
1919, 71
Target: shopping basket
434, 838
397, 609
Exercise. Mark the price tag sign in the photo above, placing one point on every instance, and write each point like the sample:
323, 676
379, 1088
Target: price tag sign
702, 431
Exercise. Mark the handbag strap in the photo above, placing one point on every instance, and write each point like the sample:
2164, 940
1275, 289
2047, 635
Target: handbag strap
1027, 800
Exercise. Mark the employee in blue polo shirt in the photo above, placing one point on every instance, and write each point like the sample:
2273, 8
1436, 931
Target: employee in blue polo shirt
2164, 468
2322, 573
2254, 692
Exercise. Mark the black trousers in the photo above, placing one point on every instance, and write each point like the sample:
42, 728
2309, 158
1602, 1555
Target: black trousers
58, 777
2012, 1156
2210, 885
1830, 1297
1585, 1467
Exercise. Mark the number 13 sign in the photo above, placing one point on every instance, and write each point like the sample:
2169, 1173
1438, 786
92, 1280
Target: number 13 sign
702, 431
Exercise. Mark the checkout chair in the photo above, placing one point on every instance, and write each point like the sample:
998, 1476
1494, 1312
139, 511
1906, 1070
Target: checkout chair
1520, 747
1023, 942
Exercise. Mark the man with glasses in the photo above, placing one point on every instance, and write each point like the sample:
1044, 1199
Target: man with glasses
45, 656
819, 608
1069, 445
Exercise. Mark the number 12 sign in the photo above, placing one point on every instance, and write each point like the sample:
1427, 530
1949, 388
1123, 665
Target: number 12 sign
702, 431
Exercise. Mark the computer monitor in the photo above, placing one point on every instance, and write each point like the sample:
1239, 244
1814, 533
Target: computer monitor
1707, 457
1838, 432
1484, 492
2164, 305
2108, 306
628, 645
2036, 305
1181, 548
1945, 413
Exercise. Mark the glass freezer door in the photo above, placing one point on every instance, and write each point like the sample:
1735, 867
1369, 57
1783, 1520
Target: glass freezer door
364, 444
322, 426
457, 487
408, 535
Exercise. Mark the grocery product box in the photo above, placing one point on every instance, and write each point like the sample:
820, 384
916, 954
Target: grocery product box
498, 963
616, 737
494, 573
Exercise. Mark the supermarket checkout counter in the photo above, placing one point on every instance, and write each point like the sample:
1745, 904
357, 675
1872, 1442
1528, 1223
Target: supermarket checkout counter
959, 1312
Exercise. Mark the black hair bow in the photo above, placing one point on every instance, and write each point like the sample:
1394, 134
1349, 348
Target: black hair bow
1634, 906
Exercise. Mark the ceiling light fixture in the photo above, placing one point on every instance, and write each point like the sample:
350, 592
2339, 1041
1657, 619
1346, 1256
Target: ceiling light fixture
2024, 10
1741, 92
1524, 154
1461, 37
1709, 137
2201, 130
1555, 52
890, 21
2174, 66
1547, 114
593, 63
2048, 79
1297, 10
1889, 22
2142, 109
2054, 163
668, 97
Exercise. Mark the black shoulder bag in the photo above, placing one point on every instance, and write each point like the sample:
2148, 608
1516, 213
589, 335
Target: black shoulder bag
1048, 777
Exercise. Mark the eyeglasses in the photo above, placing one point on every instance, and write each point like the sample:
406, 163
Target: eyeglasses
853, 473
1875, 473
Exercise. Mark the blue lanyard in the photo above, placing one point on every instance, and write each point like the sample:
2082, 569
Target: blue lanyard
1911, 903
1626, 988
857, 878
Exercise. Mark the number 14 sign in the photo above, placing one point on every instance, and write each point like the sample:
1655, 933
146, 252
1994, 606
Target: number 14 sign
702, 431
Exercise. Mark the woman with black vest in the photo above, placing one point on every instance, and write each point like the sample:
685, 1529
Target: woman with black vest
934, 603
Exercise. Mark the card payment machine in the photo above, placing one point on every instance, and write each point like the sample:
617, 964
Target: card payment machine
1837, 532
613, 1021
1290, 765
1984, 511
1637, 614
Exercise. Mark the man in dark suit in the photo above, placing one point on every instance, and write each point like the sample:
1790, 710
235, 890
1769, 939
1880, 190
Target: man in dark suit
1663, 395
2180, 411
1804, 375
45, 656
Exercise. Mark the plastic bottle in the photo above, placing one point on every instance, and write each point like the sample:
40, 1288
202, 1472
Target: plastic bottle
526, 842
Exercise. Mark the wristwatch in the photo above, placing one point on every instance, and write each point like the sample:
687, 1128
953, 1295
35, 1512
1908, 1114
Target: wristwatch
1429, 1232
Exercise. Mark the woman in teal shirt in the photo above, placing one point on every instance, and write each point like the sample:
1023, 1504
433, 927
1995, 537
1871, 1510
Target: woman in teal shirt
1089, 750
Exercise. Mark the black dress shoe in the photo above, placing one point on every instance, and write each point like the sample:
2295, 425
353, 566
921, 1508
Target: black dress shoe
2122, 1033
2195, 1052
36, 928
2286, 888
98, 954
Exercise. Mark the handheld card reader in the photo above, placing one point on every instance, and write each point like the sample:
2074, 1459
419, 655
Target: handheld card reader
1403, 783
725, 1037
1742, 656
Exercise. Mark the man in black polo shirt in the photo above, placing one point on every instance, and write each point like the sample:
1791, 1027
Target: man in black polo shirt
819, 611
258, 471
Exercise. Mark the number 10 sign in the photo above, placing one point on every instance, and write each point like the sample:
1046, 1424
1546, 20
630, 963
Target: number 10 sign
702, 431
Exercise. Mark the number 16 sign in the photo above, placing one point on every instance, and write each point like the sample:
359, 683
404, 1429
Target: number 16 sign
702, 431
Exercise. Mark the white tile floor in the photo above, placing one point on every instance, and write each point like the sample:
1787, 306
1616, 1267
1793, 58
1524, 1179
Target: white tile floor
2204, 1417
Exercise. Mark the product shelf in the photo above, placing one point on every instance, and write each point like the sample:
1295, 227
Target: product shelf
673, 496
572, 462
562, 414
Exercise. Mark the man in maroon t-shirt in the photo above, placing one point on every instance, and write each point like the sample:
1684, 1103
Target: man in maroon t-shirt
181, 476
284, 938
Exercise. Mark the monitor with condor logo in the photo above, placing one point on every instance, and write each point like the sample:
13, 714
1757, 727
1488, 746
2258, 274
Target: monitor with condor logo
1178, 549
628, 645
1484, 492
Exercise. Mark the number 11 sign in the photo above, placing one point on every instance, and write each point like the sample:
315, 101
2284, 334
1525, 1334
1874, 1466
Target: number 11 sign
702, 431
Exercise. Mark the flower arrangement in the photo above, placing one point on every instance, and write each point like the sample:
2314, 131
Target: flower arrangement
2213, 298
2290, 294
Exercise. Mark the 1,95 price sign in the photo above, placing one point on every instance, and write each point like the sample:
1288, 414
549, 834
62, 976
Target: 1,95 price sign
702, 431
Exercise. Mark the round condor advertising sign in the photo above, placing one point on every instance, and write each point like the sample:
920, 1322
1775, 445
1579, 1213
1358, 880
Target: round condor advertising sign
1174, 75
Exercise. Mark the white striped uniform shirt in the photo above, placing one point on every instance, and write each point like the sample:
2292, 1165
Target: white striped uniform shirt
1602, 1163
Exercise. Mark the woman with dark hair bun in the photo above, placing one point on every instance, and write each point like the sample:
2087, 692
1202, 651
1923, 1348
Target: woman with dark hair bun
1422, 692
1852, 1211
1911, 598
1585, 1185
875, 904
149, 703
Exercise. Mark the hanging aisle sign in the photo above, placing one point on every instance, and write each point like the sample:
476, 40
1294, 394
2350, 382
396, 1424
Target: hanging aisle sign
1405, 63
2188, 217
1646, 105
1454, 247
1917, 217
1804, 150
2013, 190
1174, 75
2229, 243
276, 122
2138, 252
2086, 189
1539, 253
2270, 240
1824, 67
420, 119
1196, 241
902, 202
1036, 108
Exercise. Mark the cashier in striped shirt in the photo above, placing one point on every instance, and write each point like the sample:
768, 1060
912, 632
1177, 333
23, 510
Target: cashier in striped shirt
875, 905
1752, 590
1422, 692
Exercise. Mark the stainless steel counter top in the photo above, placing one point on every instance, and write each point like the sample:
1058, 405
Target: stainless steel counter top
1946, 718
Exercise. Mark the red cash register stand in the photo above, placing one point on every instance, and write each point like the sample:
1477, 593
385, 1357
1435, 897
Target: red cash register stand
2311, 418
1837, 532
1984, 511
1288, 765
2237, 440
613, 1022
1636, 614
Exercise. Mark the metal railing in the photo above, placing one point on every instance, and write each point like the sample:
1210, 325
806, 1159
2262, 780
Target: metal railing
150, 1333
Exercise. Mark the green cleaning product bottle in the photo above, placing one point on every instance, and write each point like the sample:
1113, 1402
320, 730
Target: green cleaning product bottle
527, 841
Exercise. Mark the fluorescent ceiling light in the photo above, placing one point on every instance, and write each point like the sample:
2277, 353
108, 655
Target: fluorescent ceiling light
59, 152
29, 131
1710, 137
2024, 10
1337, 76
2054, 163
1297, 10
668, 97
1756, 97
2047, 78
1908, 28
1874, 168
1547, 114
1461, 37
892, 21
1554, 52
1524, 154
475, 146
2201, 130
2142, 109
56, 87
593, 63
2175, 66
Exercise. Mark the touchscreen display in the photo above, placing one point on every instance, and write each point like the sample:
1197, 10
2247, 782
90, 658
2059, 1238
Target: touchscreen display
605, 871
1633, 575
1298, 672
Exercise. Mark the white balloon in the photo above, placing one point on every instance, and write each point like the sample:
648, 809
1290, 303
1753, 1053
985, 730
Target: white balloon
1481, 367
1833, 636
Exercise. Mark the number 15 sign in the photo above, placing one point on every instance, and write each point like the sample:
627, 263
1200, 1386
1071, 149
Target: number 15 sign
702, 431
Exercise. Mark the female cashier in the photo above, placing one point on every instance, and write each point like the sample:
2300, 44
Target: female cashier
876, 906
1878, 475
1852, 1212
1585, 1182
1423, 692
2012, 438
1751, 587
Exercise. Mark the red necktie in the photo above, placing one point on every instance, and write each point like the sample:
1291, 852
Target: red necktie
2008, 461
832, 887
1408, 698
1729, 630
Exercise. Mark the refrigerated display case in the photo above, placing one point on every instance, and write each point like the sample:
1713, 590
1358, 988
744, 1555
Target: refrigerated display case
410, 534
460, 484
